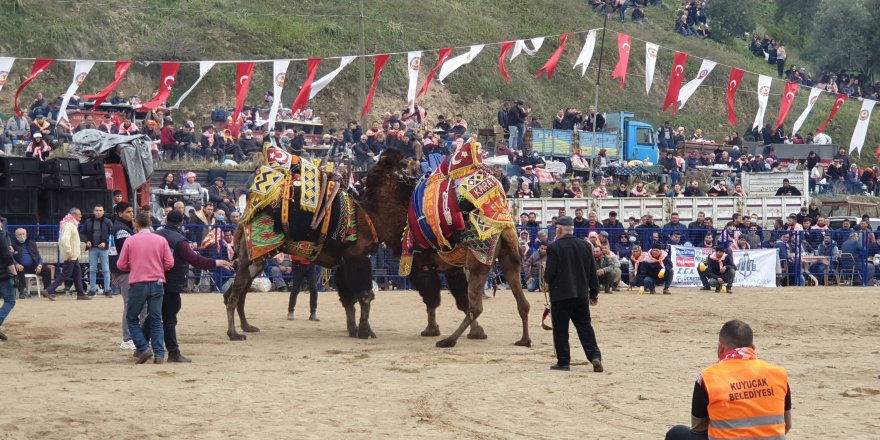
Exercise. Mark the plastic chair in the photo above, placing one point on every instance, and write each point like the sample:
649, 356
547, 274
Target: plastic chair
37, 283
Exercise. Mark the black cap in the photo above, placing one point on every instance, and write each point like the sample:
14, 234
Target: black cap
719, 248
565, 221
675, 232
174, 217
612, 214
657, 246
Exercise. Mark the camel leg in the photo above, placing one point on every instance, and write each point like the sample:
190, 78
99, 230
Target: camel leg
476, 283
511, 264
364, 330
348, 299
255, 269
235, 295
458, 286
426, 281
359, 277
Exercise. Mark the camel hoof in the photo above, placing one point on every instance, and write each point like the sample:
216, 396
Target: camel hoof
352, 333
431, 331
249, 329
446, 343
365, 332
523, 343
236, 337
477, 333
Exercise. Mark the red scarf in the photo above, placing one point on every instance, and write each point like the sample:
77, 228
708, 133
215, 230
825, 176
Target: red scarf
744, 353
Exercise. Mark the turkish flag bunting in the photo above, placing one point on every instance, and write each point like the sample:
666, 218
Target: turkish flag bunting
550, 65
121, 69
168, 74
243, 73
841, 98
675, 80
505, 47
40, 66
378, 63
623, 48
303, 97
791, 90
736, 76
441, 58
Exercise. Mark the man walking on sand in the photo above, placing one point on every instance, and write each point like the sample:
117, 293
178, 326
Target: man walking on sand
69, 250
146, 256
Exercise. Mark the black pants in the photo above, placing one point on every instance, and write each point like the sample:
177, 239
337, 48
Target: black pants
728, 276
170, 307
681, 432
44, 275
303, 272
69, 269
577, 311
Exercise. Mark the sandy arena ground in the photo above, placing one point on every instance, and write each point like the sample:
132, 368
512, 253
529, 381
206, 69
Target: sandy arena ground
65, 378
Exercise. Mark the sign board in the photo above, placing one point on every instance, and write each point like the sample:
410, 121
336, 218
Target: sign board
754, 267
557, 143
555, 167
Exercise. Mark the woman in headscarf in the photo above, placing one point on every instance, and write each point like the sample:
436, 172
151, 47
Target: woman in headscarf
192, 190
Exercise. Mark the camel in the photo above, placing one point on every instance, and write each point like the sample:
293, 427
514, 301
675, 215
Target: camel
382, 218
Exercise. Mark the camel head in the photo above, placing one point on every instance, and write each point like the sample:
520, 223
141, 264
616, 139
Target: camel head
389, 187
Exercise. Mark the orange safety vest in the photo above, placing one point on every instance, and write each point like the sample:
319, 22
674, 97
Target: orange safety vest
746, 399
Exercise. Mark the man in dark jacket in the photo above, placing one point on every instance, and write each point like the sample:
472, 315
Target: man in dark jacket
656, 267
95, 233
571, 274
175, 280
122, 230
516, 124
8, 273
364, 152
502, 116
220, 196
719, 267
28, 261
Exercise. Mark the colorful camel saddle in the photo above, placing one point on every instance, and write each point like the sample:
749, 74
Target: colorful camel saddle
296, 207
460, 208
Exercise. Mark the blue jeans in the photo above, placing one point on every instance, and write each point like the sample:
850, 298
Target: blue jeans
513, 141
533, 285
150, 294
96, 255
623, 11
7, 291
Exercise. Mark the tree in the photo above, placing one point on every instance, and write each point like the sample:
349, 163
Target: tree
732, 18
844, 36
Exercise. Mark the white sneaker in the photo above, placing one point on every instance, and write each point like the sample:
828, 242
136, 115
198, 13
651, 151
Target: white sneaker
127, 345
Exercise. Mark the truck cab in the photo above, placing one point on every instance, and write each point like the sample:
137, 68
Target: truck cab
622, 138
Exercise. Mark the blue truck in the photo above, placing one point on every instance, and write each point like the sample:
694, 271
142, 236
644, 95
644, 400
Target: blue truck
623, 139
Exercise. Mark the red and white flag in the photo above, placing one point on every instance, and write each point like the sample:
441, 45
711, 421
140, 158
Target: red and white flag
764, 83
442, 55
319, 84
690, 88
243, 74
841, 98
675, 80
168, 73
80, 72
858, 137
505, 47
120, 70
791, 90
550, 66
302, 98
378, 64
40, 66
5, 68
736, 76
623, 49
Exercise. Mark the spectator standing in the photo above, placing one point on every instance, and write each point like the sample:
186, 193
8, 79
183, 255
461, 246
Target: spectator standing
69, 250
780, 60
146, 257
123, 228
303, 270
95, 232
8, 272
516, 124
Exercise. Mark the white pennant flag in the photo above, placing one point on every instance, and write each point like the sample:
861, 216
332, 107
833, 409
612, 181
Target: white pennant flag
80, 72
319, 84
651, 50
414, 62
586, 54
5, 68
764, 83
521, 46
811, 101
858, 137
204, 67
688, 89
452, 64
279, 77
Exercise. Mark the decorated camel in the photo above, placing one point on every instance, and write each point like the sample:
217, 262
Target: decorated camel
282, 220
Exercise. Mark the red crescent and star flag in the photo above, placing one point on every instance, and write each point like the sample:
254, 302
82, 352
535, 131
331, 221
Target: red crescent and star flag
550, 66
378, 63
243, 74
736, 76
303, 97
841, 98
442, 55
168, 75
623, 49
675, 80
791, 89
